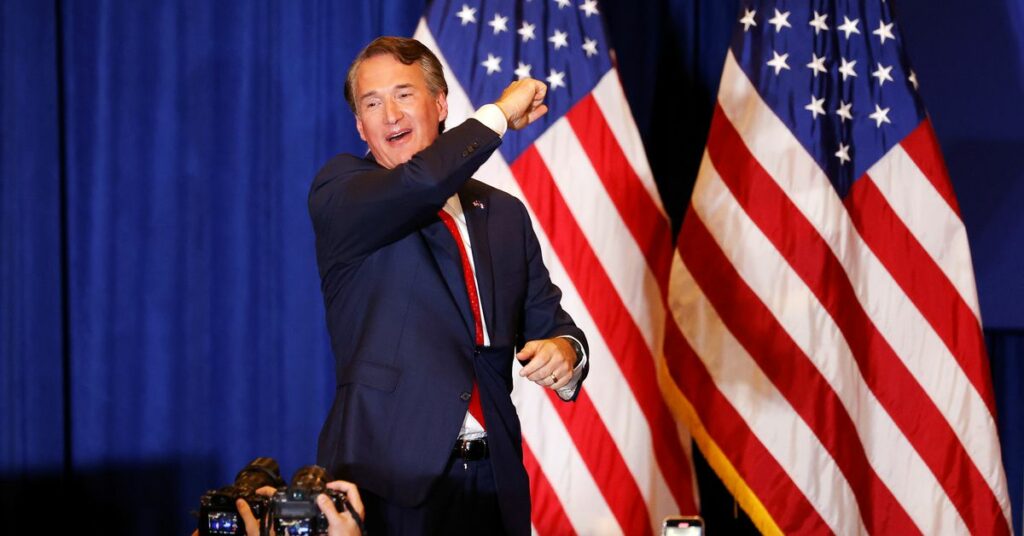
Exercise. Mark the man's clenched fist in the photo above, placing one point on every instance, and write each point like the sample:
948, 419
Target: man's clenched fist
523, 102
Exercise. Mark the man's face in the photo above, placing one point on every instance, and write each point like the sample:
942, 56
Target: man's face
395, 113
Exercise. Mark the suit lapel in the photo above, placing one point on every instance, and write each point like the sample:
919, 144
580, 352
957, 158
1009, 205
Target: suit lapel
446, 255
476, 212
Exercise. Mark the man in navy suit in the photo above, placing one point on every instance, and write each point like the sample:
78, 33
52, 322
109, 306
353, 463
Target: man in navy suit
432, 282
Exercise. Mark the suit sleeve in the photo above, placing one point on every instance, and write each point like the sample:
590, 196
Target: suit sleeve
543, 316
358, 206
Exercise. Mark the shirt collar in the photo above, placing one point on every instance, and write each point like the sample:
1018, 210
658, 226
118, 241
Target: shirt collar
453, 206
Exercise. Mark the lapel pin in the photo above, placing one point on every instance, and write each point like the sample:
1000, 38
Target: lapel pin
478, 204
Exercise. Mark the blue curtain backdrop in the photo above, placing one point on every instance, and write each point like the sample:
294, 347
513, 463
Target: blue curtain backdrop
160, 317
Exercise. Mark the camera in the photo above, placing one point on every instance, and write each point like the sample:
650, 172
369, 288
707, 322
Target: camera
217, 512
294, 509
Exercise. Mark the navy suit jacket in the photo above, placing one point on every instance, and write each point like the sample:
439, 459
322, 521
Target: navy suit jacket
400, 322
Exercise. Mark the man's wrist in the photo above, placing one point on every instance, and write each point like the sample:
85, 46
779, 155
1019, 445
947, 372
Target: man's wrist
493, 117
577, 348
568, 391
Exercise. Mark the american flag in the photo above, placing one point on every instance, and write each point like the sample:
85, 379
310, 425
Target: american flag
825, 341
615, 461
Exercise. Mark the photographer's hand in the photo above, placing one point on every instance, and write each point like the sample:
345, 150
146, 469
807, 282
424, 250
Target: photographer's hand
252, 525
342, 524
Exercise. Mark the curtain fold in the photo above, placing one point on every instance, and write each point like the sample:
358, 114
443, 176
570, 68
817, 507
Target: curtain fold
31, 303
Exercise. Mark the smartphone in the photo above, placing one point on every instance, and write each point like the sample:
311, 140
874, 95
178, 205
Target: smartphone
682, 526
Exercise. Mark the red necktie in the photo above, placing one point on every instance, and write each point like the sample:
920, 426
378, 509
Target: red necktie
474, 303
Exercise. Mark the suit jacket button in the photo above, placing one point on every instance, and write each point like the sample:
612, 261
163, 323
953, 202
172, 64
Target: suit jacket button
464, 396
476, 144
464, 154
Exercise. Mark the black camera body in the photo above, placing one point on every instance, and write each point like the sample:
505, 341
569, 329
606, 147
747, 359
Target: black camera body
218, 515
294, 509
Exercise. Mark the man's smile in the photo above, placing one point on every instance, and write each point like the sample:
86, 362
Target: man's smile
398, 136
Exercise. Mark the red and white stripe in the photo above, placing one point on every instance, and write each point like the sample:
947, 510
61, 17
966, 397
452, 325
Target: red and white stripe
838, 341
615, 461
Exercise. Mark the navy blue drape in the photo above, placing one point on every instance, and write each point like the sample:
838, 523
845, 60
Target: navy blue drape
32, 341
160, 319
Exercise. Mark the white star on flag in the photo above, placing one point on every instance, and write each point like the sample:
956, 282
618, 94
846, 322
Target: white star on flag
563, 3
819, 23
882, 74
884, 31
780, 20
843, 154
846, 69
913, 79
589, 7
748, 19
816, 107
526, 31
556, 79
492, 63
589, 46
778, 62
880, 115
849, 26
844, 111
522, 71
468, 14
559, 39
817, 64
498, 23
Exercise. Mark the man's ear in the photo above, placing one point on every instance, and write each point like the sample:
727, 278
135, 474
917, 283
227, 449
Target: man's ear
442, 106
359, 127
